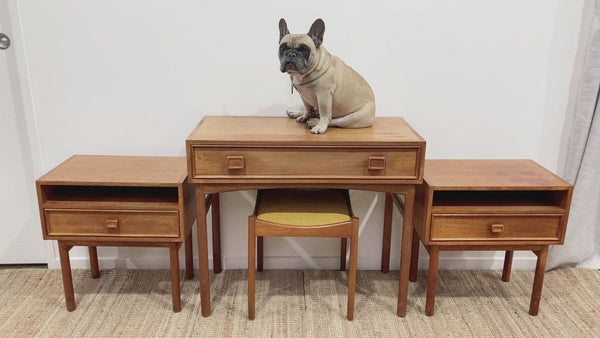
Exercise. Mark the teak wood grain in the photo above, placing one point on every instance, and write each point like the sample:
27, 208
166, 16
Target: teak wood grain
105, 170
228, 153
283, 131
489, 205
92, 201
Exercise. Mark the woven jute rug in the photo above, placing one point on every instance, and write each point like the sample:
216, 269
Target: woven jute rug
290, 303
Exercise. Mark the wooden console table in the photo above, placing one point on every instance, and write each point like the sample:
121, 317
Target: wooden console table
489, 205
118, 201
242, 153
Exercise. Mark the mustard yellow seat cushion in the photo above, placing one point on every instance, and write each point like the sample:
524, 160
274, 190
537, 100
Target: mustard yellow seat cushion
303, 207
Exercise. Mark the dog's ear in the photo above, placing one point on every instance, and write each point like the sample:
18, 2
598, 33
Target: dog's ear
316, 32
283, 30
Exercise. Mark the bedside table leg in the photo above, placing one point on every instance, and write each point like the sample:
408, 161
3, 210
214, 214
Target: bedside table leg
388, 210
65, 269
434, 254
189, 256
414, 257
538, 281
508, 257
94, 262
175, 289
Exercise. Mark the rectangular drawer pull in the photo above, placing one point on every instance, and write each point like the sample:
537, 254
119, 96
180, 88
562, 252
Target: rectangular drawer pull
235, 162
376, 162
112, 224
497, 228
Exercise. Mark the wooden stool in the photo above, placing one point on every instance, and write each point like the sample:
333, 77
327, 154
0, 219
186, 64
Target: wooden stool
302, 213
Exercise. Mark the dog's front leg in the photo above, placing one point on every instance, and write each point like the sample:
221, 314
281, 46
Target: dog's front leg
320, 126
302, 116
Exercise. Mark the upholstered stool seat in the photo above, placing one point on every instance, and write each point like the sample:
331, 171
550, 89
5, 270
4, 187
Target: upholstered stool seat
302, 213
303, 207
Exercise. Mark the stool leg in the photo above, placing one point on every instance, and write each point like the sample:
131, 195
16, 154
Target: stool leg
189, 256
538, 281
352, 269
94, 261
414, 258
259, 253
251, 262
65, 269
508, 257
431, 279
387, 233
344, 247
175, 288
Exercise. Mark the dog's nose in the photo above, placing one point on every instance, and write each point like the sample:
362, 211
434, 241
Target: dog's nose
291, 54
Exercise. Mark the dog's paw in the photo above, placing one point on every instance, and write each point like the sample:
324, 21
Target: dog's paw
319, 129
302, 118
294, 114
312, 122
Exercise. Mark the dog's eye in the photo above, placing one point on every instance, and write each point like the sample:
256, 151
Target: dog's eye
283, 47
304, 50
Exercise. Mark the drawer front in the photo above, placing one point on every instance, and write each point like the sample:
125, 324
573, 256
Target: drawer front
119, 223
399, 163
495, 227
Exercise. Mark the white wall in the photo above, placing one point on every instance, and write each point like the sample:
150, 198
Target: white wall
477, 79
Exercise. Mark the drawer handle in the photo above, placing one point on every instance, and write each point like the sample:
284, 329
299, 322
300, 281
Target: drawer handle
497, 228
112, 224
376, 162
235, 162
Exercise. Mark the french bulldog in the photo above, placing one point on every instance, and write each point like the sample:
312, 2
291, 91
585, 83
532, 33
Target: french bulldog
333, 93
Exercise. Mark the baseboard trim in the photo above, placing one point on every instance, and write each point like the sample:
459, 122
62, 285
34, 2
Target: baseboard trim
291, 262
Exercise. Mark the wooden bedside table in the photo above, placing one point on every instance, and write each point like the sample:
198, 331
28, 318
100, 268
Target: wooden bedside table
118, 201
489, 205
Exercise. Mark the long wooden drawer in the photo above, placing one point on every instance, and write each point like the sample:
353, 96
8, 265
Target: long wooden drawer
495, 227
401, 163
112, 223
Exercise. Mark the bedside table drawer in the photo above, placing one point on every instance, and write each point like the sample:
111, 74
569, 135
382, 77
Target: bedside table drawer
117, 223
303, 162
495, 227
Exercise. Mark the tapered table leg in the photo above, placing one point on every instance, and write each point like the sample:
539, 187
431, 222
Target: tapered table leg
352, 269
434, 252
251, 265
203, 273
508, 257
189, 256
387, 233
216, 232
175, 288
538, 281
94, 261
65, 269
414, 258
259, 253
407, 231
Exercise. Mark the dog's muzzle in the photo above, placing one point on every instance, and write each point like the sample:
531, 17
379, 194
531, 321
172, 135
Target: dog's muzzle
292, 65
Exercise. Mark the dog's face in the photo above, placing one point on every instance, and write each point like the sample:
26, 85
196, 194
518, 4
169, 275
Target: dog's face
297, 51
